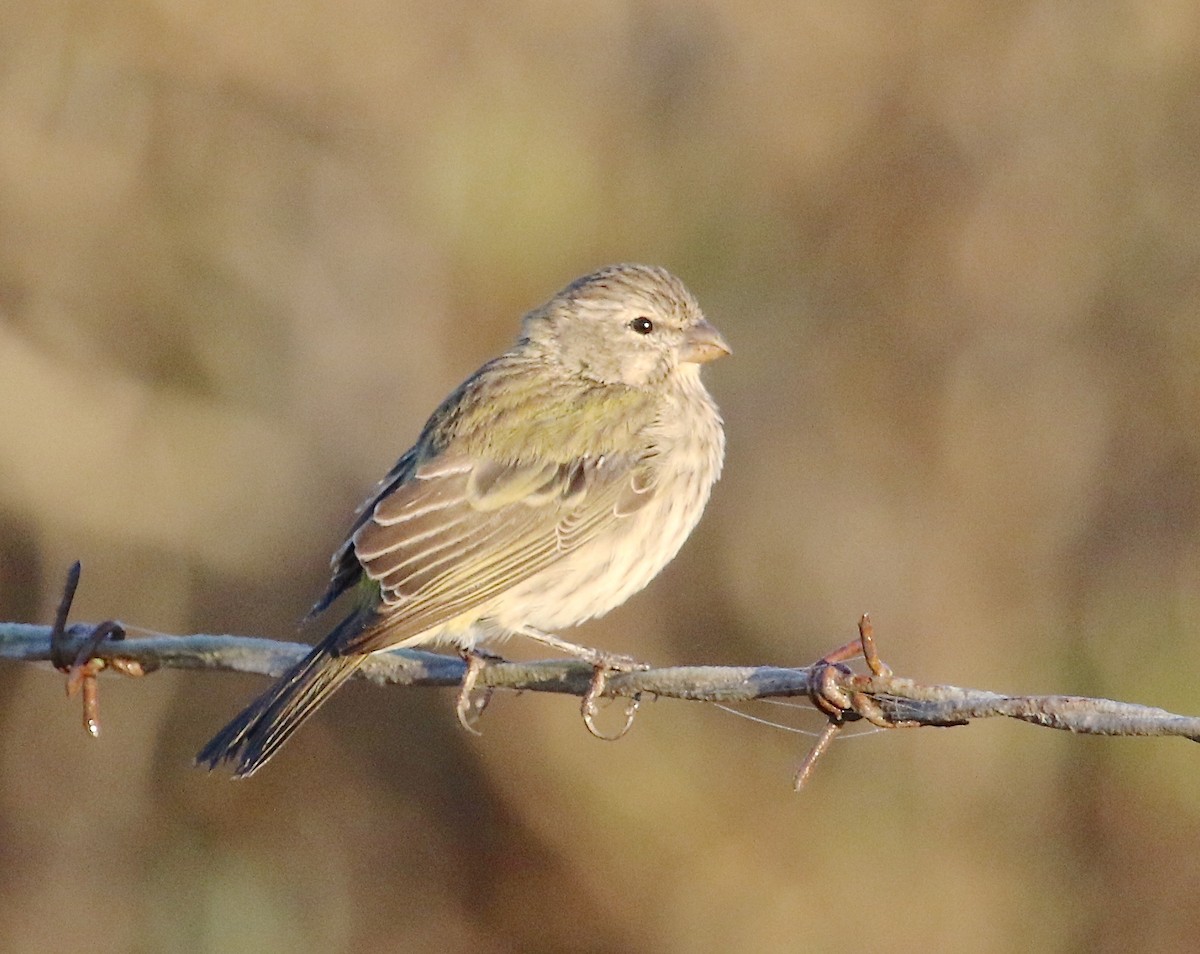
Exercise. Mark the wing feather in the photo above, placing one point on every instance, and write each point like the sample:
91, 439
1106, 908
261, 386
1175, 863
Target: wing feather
464, 530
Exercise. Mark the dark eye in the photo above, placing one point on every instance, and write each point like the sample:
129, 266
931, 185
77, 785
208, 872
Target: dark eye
642, 325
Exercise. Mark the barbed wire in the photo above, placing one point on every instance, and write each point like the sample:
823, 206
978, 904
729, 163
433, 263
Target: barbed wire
878, 696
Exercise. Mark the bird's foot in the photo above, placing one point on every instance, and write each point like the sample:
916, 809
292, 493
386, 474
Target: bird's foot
470, 707
602, 665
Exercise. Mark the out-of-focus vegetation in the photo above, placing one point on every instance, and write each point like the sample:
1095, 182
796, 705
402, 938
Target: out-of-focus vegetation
246, 247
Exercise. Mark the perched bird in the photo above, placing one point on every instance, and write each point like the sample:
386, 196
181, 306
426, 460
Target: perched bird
554, 483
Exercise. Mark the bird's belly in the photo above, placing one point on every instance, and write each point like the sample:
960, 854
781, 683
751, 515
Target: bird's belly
603, 573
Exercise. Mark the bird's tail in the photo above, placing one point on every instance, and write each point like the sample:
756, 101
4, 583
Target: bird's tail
257, 732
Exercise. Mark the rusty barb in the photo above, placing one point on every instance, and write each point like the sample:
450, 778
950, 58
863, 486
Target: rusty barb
83, 668
837, 691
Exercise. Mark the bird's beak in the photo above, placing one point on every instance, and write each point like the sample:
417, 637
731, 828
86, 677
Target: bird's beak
703, 343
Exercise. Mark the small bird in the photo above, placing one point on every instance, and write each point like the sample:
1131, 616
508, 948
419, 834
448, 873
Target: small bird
553, 484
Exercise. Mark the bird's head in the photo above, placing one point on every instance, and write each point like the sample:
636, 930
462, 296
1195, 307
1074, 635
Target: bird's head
635, 325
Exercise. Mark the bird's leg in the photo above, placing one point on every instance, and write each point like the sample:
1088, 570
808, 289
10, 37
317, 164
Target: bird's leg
597, 657
465, 706
602, 664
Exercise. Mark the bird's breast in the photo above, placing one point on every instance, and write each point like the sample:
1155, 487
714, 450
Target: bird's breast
686, 446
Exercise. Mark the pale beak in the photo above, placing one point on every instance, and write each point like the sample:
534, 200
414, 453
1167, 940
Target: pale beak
703, 343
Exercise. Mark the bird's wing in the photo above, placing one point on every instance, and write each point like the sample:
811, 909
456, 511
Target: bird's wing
464, 529
346, 570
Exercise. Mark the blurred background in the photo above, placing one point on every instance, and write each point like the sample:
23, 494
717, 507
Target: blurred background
246, 248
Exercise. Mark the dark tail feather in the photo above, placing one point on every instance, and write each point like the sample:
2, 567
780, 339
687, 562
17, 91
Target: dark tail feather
257, 732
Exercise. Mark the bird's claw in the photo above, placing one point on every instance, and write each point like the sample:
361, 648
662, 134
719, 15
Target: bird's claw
603, 664
468, 707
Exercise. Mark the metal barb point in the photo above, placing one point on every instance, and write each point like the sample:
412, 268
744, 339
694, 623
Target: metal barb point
833, 691
85, 667
804, 772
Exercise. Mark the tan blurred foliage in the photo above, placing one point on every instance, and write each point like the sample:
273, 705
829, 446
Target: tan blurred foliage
244, 250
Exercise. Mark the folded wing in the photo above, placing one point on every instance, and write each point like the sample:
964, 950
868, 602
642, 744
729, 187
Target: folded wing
464, 529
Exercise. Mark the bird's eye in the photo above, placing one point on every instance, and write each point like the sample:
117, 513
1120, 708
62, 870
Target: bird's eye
642, 325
